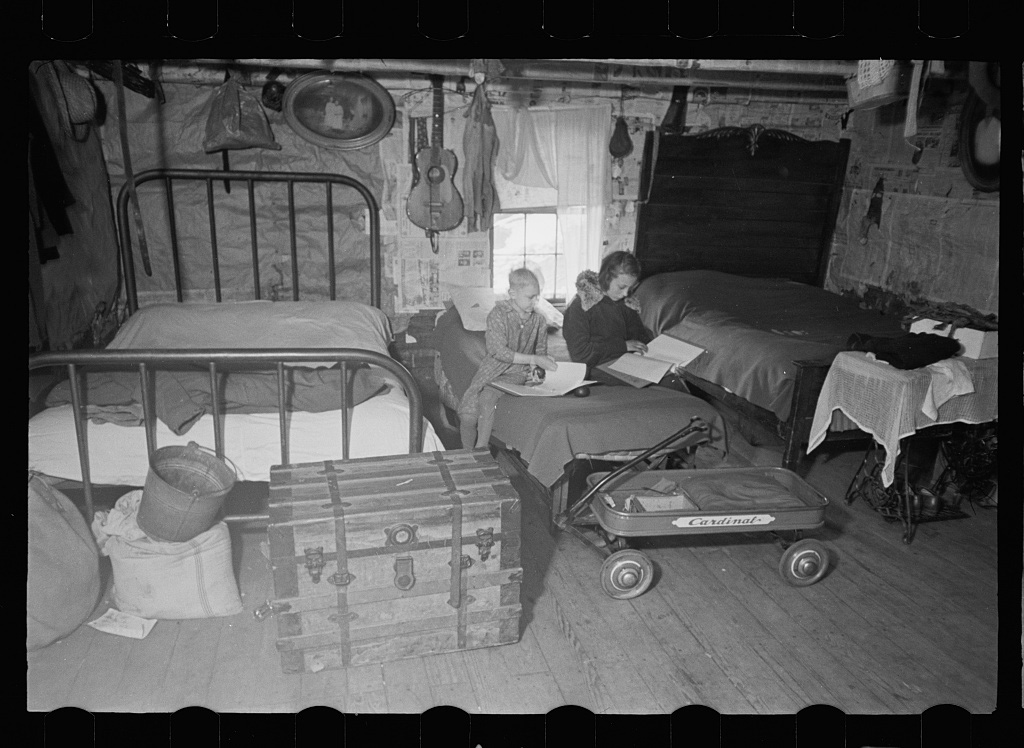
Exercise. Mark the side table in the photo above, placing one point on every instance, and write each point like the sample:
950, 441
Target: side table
893, 405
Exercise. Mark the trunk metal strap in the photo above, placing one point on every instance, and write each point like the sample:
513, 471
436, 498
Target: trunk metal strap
342, 578
458, 562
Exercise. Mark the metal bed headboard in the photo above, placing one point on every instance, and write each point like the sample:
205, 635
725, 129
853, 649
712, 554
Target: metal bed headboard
250, 178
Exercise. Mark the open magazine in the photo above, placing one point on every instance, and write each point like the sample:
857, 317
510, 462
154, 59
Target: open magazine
663, 353
567, 377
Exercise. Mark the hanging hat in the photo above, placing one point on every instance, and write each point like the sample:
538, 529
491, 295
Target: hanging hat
76, 100
79, 95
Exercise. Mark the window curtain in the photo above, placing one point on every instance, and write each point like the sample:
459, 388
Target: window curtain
565, 149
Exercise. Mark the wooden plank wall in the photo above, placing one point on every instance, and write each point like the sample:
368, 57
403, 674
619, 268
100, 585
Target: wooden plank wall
714, 206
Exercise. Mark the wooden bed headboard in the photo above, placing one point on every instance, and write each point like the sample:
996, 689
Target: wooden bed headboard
748, 201
256, 218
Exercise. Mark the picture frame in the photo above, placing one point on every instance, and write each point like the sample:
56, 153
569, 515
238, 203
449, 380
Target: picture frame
343, 111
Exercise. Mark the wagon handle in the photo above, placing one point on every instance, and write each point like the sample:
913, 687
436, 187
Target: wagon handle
696, 424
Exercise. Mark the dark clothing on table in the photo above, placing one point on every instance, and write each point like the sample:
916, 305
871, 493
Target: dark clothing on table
599, 333
910, 351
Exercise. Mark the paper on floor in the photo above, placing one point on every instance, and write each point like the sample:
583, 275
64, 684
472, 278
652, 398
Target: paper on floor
123, 624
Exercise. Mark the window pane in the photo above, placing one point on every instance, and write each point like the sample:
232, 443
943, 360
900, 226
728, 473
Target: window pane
546, 265
509, 233
503, 265
540, 233
529, 239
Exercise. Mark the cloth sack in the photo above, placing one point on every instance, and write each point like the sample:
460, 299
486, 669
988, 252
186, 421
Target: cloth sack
621, 145
154, 579
237, 120
63, 566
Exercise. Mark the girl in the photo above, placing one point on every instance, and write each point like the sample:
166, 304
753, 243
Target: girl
603, 321
516, 343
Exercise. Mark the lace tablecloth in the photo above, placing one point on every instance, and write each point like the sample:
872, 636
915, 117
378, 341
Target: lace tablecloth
891, 403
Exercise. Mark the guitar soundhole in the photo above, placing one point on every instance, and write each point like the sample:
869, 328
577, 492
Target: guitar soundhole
435, 174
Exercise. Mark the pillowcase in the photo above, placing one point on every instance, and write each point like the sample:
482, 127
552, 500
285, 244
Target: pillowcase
474, 304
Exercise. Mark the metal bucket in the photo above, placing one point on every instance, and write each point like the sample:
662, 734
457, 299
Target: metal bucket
184, 491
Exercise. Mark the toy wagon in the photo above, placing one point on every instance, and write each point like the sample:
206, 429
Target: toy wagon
695, 502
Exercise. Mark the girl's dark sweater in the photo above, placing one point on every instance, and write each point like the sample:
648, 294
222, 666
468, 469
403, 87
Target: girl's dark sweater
599, 334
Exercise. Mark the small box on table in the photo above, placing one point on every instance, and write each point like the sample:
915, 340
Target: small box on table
381, 558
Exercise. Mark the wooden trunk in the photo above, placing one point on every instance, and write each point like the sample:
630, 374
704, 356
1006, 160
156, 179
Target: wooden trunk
381, 558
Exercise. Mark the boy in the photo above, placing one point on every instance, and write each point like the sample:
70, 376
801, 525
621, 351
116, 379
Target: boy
516, 343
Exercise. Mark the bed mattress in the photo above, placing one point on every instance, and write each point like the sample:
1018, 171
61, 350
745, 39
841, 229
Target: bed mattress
753, 329
118, 454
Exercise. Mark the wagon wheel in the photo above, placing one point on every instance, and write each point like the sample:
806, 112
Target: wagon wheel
626, 574
804, 563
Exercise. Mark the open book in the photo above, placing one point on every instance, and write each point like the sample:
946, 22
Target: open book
663, 353
567, 377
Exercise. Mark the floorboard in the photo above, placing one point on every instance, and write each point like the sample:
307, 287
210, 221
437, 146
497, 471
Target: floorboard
891, 629
817, 672
726, 635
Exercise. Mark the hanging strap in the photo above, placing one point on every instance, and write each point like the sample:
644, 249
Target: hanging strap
133, 196
343, 577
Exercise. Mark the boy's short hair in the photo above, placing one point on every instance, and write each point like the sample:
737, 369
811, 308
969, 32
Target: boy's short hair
616, 264
522, 277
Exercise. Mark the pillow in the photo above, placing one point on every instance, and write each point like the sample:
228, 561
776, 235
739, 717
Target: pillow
257, 324
474, 304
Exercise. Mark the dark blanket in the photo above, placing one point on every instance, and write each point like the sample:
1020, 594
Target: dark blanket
910, 351
182, 397
548, 432
753, 329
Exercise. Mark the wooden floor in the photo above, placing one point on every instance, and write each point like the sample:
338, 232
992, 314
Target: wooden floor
891, 629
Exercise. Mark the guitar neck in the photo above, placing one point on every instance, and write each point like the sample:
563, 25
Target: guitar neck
437, 130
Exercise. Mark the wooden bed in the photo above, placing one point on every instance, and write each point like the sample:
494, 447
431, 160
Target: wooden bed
752, 210
259, 381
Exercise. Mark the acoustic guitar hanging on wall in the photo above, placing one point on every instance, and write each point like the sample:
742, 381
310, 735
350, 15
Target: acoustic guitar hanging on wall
434, 201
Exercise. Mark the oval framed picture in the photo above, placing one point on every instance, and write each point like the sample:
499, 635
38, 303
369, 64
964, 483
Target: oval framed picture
345, 111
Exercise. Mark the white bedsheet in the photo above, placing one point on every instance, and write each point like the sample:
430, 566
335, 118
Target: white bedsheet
118, 455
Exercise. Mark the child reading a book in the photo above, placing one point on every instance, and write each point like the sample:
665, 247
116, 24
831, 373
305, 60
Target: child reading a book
603, 321
516, 343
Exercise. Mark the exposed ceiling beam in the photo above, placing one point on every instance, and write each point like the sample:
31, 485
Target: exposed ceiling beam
841, 68
601, 73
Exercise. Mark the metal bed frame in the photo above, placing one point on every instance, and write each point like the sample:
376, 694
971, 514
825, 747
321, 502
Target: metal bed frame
146, 361
210, 176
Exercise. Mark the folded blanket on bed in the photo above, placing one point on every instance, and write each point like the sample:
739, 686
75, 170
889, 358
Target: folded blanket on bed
182, 397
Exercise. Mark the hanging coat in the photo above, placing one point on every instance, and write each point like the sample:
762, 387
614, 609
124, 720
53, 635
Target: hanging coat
480, 146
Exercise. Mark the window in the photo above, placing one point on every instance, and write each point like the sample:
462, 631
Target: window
526, 238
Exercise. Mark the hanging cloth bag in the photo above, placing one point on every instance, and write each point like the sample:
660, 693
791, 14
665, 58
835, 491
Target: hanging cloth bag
621, 144
237, 121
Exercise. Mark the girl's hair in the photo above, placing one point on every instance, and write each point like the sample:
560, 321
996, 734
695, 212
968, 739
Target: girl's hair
616, 264
522, 277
